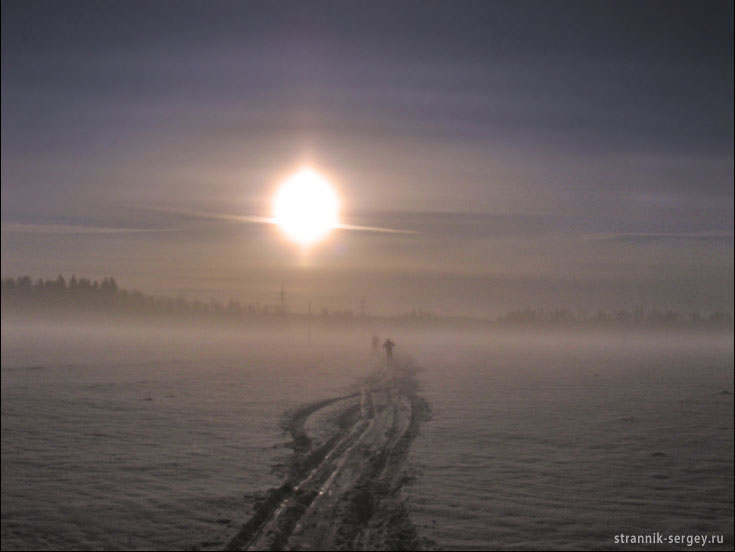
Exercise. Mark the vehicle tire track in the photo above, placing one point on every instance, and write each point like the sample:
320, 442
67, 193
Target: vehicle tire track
344, 494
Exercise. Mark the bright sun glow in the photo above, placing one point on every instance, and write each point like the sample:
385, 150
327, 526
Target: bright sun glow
306, 207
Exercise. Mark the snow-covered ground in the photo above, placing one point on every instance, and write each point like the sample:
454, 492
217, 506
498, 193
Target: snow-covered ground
147, 439
556, 443
163, 439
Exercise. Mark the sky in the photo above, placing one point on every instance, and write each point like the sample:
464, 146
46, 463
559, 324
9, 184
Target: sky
545, 154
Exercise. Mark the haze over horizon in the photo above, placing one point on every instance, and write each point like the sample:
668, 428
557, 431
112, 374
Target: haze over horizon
566, 154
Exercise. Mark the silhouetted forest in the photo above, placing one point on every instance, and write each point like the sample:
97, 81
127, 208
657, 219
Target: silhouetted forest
83, 295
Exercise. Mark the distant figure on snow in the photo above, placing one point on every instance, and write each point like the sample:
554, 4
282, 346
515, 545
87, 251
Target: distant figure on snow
388, 346
376, 342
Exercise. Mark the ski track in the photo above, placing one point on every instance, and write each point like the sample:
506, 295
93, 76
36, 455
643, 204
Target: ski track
345, 494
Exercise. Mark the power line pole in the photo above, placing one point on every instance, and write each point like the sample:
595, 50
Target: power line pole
282, 296
308, 324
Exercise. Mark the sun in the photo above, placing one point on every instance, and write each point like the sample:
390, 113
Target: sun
306, 207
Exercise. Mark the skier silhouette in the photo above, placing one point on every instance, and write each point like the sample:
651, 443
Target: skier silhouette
388, 346
376, 342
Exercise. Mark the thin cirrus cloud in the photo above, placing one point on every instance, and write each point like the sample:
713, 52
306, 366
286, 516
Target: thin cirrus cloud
73, 229
721, 235
255, 219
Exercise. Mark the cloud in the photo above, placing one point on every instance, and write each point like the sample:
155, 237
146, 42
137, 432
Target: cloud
254, 219
656, 236
71, 229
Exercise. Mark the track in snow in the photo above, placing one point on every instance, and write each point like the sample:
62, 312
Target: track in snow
343, 494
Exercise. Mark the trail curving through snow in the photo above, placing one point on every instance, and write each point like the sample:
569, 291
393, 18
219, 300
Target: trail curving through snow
344, 494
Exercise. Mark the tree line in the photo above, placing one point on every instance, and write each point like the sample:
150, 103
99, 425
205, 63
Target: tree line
58, 295
621, 317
